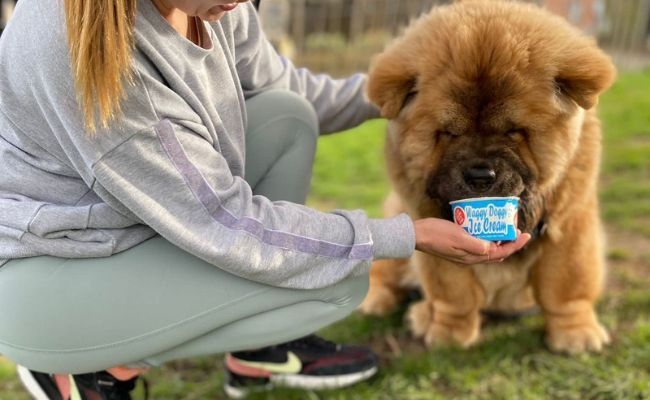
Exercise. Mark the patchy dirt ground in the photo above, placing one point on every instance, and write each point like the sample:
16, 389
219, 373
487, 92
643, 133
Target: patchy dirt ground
628, 260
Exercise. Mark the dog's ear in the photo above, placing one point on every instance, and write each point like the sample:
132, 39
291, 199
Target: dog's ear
584, 75
390, 83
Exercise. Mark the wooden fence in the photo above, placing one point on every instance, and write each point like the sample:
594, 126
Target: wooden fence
340, 36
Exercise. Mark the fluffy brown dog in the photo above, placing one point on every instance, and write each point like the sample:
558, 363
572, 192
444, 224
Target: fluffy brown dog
496, 98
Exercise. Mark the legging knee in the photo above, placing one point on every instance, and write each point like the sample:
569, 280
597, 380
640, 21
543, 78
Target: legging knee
271, 103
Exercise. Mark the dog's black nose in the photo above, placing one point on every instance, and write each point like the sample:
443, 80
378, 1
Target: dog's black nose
480, 177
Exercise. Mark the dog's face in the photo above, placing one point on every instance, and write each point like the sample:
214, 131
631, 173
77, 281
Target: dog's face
487, 98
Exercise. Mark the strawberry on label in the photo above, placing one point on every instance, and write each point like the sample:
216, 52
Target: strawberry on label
459, 216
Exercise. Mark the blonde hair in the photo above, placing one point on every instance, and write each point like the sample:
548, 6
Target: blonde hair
100, 37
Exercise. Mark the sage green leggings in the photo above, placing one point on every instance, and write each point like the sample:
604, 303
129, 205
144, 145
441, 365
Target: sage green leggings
154, 302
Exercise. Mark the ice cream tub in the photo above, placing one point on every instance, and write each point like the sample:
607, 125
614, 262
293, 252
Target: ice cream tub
489, 218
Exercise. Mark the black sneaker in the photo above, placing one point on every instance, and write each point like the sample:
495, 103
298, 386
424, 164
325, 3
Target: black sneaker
309, 363
104, 386
93, 386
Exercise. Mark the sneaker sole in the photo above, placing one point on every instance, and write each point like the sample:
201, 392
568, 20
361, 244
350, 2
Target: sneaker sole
241, 392
306, 382
31, 384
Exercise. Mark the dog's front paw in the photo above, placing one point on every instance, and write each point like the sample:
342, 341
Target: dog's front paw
380, 300
437, 328
578, 339
420, 318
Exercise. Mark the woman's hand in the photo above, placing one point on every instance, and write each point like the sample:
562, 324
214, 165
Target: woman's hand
445, 239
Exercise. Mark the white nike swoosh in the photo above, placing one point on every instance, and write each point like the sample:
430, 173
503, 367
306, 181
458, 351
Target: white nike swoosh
293, 365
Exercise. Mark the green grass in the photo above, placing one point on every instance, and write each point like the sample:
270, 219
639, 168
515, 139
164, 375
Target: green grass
511, 362
349, 170
625, 111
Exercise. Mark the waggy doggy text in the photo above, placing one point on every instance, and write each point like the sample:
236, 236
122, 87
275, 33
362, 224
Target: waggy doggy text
486, 220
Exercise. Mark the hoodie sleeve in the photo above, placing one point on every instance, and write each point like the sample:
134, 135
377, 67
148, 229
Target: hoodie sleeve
183, 189
340, 103
158, 166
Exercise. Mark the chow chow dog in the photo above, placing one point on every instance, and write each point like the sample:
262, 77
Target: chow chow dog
496, 98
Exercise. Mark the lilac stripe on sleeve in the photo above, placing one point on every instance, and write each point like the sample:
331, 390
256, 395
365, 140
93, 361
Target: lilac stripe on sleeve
210, 200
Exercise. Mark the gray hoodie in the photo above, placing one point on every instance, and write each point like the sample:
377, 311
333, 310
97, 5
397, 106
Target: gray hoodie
173, 163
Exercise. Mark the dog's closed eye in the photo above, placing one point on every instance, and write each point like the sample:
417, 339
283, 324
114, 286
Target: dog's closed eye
408, 99
516, 134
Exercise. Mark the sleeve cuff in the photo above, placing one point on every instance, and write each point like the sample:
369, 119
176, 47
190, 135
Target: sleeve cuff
392, 237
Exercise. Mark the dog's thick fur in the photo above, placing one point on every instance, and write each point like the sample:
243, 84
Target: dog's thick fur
510, 90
